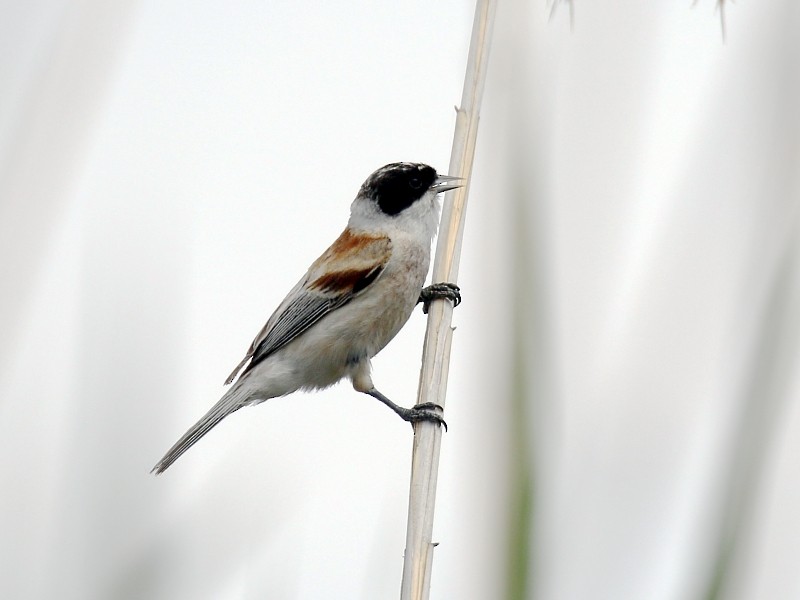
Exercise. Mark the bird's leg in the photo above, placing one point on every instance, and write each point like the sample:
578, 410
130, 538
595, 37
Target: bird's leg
420, 412
437, 291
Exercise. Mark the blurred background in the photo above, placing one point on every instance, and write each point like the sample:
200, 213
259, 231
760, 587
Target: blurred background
623, 398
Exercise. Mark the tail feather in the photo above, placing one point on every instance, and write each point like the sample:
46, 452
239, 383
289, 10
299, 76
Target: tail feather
229, 403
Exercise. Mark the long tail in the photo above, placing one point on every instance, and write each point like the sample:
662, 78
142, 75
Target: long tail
229, 403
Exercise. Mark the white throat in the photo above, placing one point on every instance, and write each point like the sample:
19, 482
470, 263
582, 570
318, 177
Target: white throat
420, 220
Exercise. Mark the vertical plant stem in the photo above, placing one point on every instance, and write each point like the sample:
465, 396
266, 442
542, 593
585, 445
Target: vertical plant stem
439, 334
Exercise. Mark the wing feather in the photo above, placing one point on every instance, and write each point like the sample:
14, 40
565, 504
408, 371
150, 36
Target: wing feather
345, 270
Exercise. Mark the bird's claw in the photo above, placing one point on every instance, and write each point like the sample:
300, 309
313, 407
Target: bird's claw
437, 291
427, 411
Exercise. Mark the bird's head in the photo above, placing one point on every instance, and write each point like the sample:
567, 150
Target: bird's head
398, 186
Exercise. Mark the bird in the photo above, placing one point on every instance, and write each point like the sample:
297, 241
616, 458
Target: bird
349, 304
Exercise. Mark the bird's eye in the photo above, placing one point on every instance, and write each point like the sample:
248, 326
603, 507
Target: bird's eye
415, 183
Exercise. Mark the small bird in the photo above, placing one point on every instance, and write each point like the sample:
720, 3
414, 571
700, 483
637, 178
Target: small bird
350, 303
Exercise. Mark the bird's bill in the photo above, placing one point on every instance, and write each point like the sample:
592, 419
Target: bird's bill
446, 183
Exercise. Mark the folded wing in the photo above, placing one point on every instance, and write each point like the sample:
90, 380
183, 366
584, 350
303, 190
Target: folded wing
353, 263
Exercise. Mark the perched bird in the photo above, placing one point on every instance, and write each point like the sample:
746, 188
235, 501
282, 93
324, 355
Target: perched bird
350, 303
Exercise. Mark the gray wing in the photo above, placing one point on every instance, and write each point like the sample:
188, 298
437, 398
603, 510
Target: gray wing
343, 272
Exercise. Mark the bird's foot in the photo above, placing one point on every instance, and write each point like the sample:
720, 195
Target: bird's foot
439, 291
428, 411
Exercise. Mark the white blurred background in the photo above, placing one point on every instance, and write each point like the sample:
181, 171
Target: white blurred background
623, 400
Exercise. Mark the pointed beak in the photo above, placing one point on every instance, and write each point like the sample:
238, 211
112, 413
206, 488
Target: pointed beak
446, 183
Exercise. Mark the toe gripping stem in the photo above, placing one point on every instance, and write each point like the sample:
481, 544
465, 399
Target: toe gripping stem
439, 291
